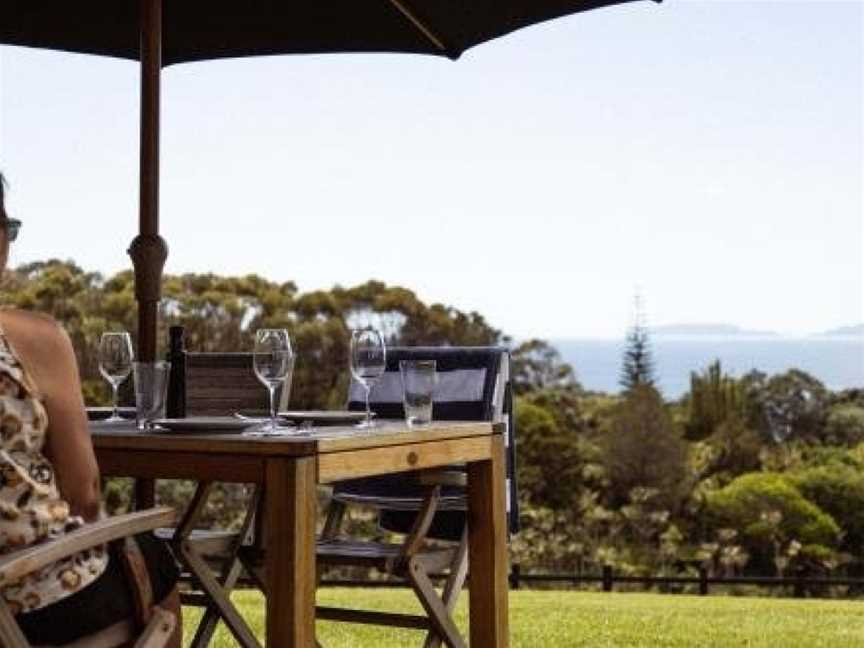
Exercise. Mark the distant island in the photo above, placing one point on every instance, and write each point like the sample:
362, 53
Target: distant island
731, 330
856, 330
709, 330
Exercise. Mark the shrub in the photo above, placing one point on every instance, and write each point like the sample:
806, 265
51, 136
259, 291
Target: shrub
555, 464
838, 490
769, 513
845, 425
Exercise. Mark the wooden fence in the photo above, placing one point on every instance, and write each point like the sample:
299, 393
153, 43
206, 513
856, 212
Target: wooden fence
608, 578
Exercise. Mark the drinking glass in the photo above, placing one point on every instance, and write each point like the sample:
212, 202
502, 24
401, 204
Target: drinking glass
151, 391
368, 362
115, 362
272, 360
418, 385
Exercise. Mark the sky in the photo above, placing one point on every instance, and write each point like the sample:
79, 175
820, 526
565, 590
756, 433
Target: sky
708, 154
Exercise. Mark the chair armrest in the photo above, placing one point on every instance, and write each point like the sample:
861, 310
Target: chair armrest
20, 563
443, 477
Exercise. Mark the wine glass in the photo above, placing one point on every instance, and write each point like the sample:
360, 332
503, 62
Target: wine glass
272, 360
368, 362
115, 362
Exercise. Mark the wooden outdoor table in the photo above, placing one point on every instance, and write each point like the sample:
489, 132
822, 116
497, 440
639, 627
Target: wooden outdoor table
289, 469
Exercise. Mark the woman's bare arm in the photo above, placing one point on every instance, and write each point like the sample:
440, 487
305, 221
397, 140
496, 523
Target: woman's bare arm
46, 353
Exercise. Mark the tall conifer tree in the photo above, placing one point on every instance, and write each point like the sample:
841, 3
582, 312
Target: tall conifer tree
637, 367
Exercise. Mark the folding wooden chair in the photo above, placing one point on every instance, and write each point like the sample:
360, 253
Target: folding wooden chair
153, 625
214, 384
429, 508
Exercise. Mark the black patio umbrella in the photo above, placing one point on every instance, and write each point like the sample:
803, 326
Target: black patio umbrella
193, 30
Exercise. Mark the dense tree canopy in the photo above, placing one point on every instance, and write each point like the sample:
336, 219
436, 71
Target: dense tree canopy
761, 474
222, 314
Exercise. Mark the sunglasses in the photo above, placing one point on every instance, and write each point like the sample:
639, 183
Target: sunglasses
12, 226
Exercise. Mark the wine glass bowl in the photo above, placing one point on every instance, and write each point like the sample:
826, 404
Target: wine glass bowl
115, 363
368, 363
272, 362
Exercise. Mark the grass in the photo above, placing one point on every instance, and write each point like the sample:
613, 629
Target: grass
549, 619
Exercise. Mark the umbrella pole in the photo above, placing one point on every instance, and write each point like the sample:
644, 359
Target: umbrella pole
148, 250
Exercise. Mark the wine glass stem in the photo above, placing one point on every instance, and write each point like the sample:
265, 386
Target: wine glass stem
114, 400
368, 409
272, 391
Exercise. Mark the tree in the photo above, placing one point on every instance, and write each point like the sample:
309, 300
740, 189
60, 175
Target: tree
537, 365
735, 448
714, 399
222, 313
638, 366
845, 425
643, 449
787, 406
556, 464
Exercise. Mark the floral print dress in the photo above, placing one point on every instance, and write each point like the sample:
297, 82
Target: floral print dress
31, 510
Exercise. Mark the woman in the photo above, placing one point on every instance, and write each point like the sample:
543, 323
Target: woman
49, 483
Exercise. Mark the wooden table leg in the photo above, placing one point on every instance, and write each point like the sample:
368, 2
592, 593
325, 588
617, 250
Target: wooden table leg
487, 547
289, 527
145, 493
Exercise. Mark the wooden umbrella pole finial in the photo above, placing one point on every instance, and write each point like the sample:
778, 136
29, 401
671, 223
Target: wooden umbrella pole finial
148, 250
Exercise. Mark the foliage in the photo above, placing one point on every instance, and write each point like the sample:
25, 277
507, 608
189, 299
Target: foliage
222, 313
714, 399
837, 489
770, 514
555, 465
845, 425
596, 411
551, 540
637, 538
645, 535
854, 396
637, 368
732, 449
786, 406
857, 454
643, 449
723, 556
769, 477
538, 366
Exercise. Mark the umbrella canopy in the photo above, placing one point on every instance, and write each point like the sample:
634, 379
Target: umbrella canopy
209, 29
160, 33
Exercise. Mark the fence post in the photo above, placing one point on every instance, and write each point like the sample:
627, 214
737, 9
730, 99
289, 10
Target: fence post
703, 581
607, 578
798, 588
515, 572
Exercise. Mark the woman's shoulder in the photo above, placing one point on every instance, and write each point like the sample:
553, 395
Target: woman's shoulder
35, 336
26, 325
42, 346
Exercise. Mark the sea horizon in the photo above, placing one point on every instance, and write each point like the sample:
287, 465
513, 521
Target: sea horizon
835, 360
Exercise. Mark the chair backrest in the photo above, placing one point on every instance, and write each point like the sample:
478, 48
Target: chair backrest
473, 384
222, 384
216, 384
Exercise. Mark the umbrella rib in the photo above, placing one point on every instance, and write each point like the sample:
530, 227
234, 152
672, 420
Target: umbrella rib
427, 31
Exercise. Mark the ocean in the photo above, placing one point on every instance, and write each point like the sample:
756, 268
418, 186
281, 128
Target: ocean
836, 361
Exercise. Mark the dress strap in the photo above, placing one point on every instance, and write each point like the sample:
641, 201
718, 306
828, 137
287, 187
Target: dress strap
5, 347
11, 365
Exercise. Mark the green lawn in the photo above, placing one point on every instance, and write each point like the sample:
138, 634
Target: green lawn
546, 619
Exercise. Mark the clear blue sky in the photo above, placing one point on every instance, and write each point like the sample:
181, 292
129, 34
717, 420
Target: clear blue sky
711, 153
